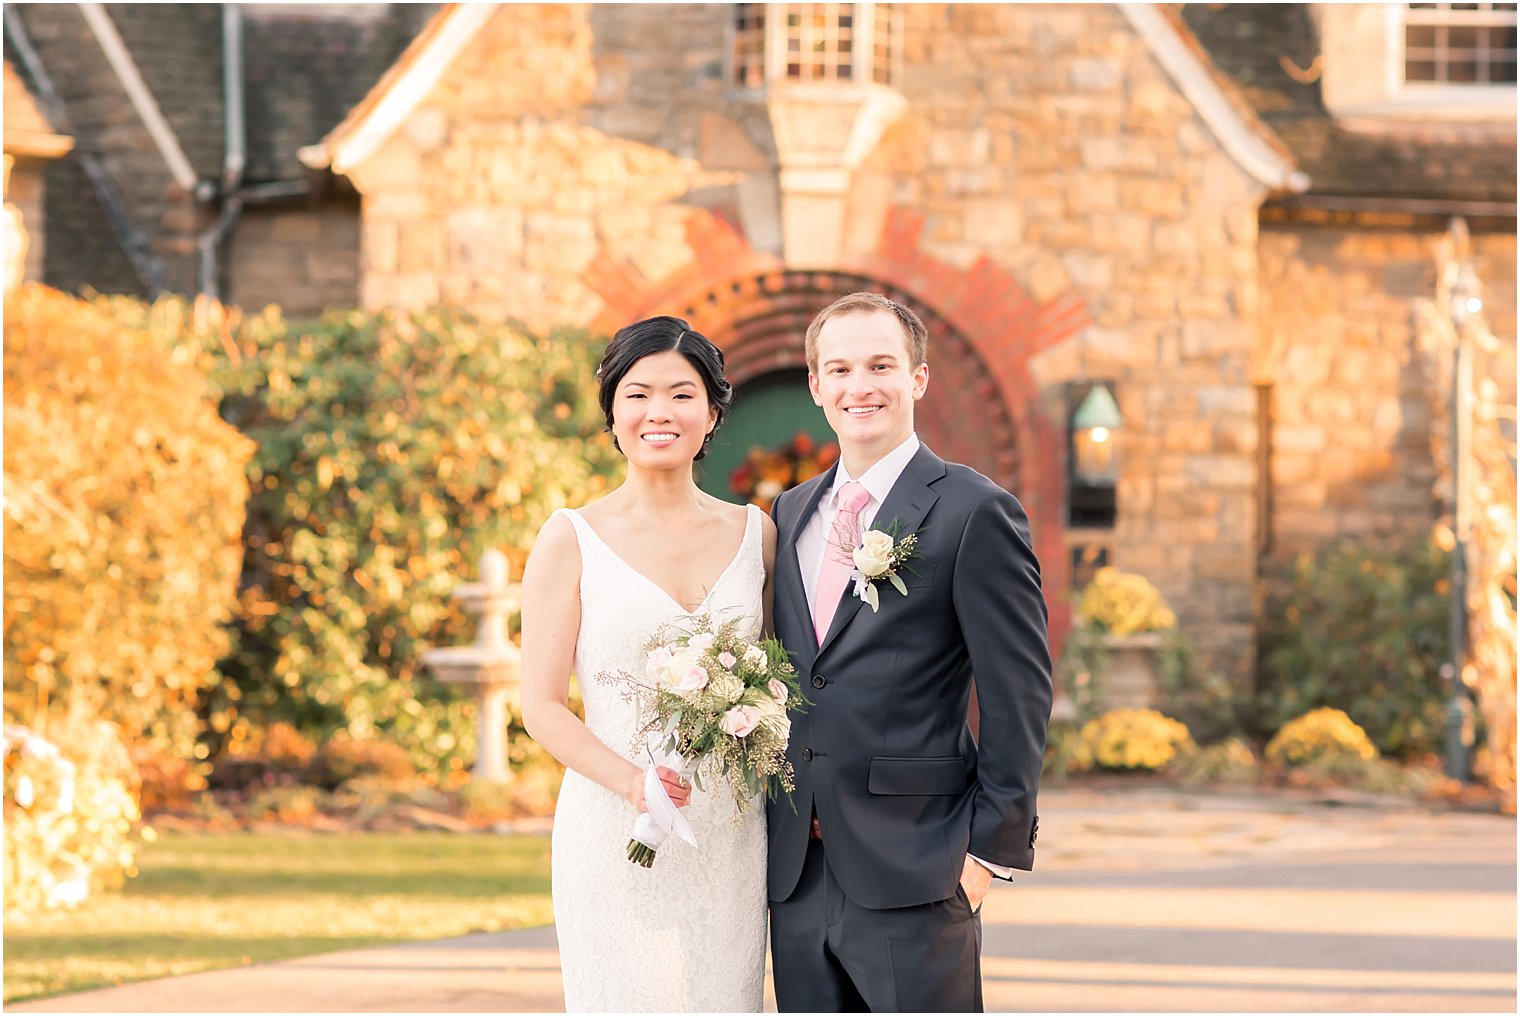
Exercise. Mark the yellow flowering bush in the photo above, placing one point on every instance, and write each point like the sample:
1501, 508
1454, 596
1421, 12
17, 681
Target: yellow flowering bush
70, 812
1122, 603
1132, 739
1321, 735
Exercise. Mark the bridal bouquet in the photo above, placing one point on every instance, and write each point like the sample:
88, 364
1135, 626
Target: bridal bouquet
714, 706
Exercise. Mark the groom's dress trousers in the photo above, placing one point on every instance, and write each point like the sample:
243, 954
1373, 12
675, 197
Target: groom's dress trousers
871, 914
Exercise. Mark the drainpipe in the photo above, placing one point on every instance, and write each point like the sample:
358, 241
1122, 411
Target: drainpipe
149, 269
235, 157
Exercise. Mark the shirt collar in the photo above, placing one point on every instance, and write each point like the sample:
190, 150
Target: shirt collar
880, 478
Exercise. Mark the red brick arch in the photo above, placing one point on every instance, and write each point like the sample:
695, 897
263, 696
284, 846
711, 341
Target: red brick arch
983, 406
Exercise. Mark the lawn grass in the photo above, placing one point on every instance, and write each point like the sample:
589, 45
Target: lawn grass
215, 900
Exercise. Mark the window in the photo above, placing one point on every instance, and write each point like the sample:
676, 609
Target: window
846, 43
1459, 44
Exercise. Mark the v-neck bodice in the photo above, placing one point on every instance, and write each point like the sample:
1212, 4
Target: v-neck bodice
751, 525
622, 607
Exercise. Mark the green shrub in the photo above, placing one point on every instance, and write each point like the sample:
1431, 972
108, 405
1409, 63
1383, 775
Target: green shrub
1366, 632
392, 451
71, 812
124, 501
1131, 739
1320, 735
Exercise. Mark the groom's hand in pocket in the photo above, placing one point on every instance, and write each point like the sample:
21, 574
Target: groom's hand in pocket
976, 881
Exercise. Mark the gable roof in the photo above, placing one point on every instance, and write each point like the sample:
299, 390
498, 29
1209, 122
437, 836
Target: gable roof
1256, 44
27, 131
400, 90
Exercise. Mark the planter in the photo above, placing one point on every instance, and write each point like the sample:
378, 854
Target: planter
1131, 677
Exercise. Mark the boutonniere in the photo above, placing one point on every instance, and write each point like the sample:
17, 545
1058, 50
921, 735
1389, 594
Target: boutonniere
881, 555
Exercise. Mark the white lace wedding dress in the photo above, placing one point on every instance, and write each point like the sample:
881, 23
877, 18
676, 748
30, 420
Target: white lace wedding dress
687, 935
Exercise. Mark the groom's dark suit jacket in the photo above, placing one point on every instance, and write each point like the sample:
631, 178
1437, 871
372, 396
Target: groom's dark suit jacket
883, 752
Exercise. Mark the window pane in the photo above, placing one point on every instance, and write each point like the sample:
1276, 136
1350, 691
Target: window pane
1502, 72
1462, 72
1462, 37
1419, 36
1420, 70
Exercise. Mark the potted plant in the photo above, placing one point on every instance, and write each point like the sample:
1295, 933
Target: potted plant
1115, 655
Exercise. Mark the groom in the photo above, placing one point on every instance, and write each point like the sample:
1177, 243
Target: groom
900, 820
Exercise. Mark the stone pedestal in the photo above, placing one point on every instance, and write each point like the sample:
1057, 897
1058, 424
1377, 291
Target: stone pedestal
1131, 679
491, 668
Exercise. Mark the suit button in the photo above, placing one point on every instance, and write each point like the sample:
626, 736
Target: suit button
807, 754
819, 681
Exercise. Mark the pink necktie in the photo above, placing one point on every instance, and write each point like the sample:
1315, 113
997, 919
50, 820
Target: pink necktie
839, 543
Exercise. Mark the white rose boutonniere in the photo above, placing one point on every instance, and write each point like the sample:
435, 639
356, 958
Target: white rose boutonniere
881, 555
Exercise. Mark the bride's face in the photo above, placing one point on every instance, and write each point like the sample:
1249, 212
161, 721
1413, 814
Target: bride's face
660, 413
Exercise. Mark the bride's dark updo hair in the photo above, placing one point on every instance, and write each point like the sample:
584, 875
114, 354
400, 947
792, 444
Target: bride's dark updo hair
664, 334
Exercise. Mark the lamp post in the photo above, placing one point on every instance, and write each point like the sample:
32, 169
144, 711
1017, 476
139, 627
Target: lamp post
1466, 303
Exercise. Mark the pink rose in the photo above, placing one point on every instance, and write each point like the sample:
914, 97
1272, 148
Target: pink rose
778, 690
728, 660
703, 640
740, 720
689, 678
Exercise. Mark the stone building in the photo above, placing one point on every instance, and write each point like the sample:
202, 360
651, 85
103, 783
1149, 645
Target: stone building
1202, 227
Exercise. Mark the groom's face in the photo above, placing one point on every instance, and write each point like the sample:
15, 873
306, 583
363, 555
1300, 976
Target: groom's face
865, 381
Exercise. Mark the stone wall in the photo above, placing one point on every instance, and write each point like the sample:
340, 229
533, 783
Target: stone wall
1351, 397
1049, 138
498, 193
305, 259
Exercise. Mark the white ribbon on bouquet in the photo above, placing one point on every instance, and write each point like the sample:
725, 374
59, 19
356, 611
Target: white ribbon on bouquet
653, 827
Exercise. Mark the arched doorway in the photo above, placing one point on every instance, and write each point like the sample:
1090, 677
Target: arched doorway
760, 322
769, 414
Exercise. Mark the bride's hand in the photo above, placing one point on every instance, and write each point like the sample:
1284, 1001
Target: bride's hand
676, 786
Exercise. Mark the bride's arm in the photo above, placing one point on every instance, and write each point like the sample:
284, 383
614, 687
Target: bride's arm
551, 620
768, 543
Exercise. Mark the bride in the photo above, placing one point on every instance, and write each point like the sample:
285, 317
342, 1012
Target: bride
687, 934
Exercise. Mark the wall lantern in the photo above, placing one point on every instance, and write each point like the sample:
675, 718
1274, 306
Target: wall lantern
1094, 433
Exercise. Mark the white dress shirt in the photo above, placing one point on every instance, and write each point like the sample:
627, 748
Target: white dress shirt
813, 540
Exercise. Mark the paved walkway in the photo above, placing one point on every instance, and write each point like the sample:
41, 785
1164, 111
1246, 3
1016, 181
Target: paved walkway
1145, 900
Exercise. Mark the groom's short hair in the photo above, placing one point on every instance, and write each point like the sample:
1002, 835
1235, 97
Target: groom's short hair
862, 303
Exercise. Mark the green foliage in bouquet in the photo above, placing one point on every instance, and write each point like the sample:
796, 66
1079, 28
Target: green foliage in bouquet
1364, 631
71, 814
124, 502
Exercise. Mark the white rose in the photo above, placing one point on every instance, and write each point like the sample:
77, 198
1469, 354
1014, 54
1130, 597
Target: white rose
683, 673
755, 656
874, 555
740, 720
777, 690
702, 641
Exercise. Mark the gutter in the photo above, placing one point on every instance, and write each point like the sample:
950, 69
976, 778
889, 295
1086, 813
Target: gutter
235, 157
149, 269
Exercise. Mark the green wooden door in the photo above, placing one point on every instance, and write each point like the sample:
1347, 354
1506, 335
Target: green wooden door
769, 413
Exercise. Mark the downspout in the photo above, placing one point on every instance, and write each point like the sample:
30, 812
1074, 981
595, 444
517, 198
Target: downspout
149, 270
235, 158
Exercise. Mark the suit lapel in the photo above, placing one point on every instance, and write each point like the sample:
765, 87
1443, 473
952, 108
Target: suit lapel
907, 503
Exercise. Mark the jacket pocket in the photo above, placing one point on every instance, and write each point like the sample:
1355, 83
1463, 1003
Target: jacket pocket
945, 774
